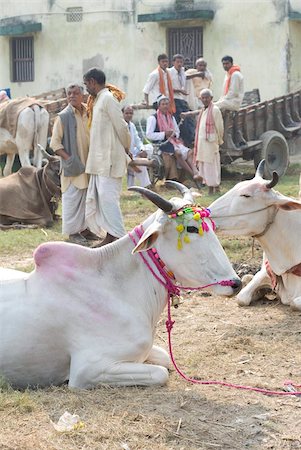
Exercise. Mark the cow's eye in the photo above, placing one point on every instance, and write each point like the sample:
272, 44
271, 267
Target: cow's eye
192, 230
245, 195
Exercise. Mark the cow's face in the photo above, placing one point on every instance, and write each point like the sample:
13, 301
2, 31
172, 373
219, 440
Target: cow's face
200, 260
53, 170
248, 207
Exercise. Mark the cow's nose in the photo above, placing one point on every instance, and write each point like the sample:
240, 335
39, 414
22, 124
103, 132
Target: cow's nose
236, 286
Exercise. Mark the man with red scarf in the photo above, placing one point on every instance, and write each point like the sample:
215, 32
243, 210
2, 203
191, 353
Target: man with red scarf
233, 89
162, 128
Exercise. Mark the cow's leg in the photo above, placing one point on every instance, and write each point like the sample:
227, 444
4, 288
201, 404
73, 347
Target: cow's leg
296, 304
159, 356
41, 133
252, 291
10, 158
118, 374
24, 136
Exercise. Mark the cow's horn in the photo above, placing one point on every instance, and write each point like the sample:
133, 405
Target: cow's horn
159, 201
260, 169
179, 186
274, 181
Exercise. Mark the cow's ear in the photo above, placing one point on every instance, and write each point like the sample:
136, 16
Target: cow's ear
290, 205
148, 238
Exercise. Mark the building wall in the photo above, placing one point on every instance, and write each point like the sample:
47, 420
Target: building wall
256, 33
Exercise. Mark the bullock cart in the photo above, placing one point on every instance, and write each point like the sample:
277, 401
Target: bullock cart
260, 130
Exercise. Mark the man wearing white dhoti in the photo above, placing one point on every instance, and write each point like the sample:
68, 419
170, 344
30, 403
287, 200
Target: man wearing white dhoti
140, 173
208, 138
70, 141
107, 161
233, 88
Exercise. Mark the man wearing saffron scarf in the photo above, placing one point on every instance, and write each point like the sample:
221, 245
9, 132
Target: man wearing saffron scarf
159, 83
233, 89
162, 127
107, 160
178, 79
208, 138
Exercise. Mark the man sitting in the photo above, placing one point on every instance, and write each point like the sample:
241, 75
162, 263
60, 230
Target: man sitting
137, 151
233, 88
162, 128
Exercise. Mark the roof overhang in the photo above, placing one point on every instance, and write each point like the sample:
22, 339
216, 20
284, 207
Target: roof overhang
15, 29
294, 15
169, 16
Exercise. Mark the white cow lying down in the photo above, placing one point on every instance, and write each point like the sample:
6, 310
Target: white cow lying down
253, 208
89, 315
32, 129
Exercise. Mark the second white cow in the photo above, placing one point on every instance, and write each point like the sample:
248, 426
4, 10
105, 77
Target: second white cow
253, 208
32, 129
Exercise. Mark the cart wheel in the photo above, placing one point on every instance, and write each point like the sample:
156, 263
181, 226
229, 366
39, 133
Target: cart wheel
274, 150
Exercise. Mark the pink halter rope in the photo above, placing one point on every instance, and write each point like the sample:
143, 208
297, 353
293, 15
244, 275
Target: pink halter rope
175, 290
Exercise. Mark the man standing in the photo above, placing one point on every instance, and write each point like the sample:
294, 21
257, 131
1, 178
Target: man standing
159, 82
107, 160
233, 88
136, 150
162, 127
70, 141
197, 79
178, 79
209, 136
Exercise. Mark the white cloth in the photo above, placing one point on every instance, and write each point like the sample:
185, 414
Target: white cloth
103, 206
233, 99
152, 86
109, 137
142, 177
73, 210
178, 81
211, 172
158, 135
136, 143
136, 146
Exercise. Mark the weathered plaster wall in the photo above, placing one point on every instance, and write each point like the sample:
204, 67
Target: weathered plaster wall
295, 52
255, 32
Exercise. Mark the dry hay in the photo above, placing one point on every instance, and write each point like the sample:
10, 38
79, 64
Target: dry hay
213, 339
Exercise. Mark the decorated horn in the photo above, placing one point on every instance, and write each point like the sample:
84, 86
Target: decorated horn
274, 181
159, 201
260, 169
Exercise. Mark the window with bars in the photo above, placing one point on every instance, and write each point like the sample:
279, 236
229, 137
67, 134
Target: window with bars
186, 41
74, 14
22, 59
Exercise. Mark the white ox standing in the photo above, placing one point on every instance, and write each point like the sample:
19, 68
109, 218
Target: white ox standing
253, 208
32, 129
89, 315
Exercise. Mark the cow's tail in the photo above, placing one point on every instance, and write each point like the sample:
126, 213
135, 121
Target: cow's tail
37, 119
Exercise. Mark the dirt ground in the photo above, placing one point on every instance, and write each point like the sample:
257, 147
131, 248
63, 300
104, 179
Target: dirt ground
213, 339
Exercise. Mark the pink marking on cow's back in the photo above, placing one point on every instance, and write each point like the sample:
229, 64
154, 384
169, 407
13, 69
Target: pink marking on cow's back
60, 257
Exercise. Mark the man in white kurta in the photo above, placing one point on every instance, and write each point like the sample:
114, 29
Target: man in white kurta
74, 180
233, 87
209, 136
107, 160
137, 151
